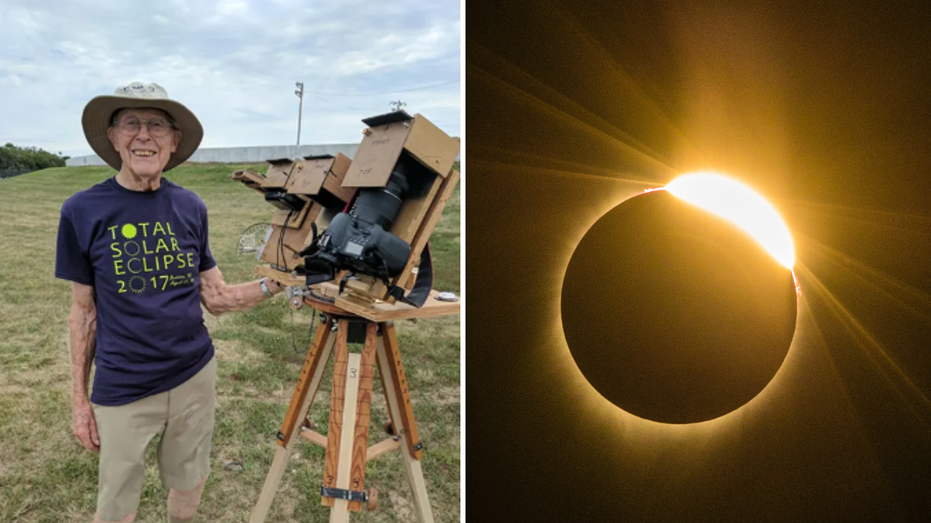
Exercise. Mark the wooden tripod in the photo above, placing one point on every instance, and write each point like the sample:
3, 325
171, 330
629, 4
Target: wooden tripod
346, 442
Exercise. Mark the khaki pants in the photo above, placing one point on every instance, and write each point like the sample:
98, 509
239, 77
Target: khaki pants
184, 416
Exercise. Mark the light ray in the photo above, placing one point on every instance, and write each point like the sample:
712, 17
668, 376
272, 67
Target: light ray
872, 215
633, 89
873, 277
543, 98
517, 159
558, 172
815, 342
919, 403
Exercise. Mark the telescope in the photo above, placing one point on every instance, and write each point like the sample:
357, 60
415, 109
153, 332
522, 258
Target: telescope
362, 225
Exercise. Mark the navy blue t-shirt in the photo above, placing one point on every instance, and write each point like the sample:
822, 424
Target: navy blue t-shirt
143, 253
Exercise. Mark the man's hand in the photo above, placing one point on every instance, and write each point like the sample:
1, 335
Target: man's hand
85, 425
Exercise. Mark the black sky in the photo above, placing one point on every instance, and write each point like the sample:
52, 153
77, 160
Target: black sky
826, 110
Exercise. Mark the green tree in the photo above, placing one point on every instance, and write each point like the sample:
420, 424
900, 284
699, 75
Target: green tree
16, 160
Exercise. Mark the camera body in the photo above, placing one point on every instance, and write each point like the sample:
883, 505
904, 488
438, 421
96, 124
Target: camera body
360, 240
360, 247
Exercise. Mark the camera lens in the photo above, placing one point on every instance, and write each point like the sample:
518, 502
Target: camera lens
380, 206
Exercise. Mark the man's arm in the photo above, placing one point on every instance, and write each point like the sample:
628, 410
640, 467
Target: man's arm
218, 297
83, 327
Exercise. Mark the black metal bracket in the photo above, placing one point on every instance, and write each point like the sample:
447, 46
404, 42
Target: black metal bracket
418, 445
356, 332
348, 495
387, 118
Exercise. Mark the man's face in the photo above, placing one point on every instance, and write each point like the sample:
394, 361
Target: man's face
145, 140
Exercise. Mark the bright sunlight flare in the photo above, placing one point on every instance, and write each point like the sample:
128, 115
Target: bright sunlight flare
740, 205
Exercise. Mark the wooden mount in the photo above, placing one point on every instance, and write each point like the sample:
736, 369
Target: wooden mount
372, 310
346, 441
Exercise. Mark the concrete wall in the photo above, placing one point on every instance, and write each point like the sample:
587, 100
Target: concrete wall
78, 161
243, 154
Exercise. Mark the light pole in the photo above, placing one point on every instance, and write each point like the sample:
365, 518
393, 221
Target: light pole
300, 112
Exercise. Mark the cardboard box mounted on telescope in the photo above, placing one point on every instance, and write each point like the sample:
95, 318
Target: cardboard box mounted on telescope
286, 241
320, 178
391, 133
279, 170
250, 179
288, 225
314, 180
275, 177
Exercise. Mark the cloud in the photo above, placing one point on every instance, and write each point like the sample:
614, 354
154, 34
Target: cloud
233, 62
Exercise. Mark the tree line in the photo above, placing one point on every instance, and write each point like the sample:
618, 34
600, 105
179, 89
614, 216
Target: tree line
19, 160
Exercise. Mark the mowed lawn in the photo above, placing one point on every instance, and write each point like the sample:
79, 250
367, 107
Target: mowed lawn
46, 476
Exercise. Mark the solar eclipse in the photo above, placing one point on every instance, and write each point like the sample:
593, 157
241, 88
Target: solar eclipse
679, 305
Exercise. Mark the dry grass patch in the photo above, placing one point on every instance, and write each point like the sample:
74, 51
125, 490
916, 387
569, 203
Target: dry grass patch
443, 396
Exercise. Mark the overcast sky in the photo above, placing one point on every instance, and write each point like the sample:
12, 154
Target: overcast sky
232, 62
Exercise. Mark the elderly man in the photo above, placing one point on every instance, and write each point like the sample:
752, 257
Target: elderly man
136, 250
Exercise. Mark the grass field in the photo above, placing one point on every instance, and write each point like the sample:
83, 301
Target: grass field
46, 476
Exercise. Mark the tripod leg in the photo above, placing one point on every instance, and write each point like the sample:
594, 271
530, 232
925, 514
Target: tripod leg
404, 423
301, 400
346, 377
363, 413
337, 398
397, 396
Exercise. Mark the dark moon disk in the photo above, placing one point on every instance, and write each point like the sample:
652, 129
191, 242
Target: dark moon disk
674, 314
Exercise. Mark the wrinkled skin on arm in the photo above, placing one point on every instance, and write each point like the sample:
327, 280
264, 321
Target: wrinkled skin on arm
83, 333
219, 297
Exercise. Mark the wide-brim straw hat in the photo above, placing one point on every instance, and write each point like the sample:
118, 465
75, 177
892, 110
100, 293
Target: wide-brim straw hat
99, 112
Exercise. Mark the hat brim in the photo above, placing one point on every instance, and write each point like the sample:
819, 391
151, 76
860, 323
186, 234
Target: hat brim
96, 121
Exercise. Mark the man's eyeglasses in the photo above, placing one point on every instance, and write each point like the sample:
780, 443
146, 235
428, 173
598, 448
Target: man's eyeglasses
157, 127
